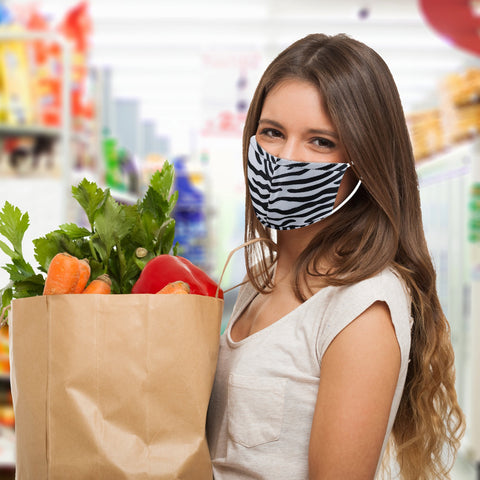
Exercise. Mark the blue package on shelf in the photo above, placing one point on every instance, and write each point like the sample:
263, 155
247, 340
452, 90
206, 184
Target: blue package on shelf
190, 220
188, 194
5, 15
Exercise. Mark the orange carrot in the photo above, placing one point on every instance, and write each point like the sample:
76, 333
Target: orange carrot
84, 267
178, 287
62, 276
101, 284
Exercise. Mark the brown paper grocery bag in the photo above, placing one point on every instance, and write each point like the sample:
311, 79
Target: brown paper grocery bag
113, 386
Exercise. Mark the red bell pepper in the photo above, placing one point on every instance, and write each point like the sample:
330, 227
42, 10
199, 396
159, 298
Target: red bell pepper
166, 268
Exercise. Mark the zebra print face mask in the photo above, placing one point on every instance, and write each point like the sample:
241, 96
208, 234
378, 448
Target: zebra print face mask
287, 194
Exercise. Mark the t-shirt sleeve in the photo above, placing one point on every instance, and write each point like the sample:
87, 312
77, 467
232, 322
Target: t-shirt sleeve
348, 302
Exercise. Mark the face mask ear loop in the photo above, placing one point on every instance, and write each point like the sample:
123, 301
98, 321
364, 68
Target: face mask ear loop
357, 186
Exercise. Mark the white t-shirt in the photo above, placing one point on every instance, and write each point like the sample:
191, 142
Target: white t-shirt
265, 389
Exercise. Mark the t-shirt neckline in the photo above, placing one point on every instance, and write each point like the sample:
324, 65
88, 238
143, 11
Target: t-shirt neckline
264, 331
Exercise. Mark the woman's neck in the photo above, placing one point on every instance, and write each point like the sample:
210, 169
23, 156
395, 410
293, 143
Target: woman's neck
290, 244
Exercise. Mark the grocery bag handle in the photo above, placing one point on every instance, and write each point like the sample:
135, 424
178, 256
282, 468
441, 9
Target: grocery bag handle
230, 255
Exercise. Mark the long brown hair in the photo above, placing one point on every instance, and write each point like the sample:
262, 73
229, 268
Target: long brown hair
380, 227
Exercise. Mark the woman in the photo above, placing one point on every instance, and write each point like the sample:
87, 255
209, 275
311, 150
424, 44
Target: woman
337, 347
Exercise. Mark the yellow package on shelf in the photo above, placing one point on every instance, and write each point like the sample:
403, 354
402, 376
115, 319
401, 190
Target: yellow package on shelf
15, 83
3, 100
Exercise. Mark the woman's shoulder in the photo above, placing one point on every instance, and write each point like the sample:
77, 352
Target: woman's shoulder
347, 303
386, 285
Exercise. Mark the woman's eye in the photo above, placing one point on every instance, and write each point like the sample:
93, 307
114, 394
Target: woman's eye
324, 142
271, 132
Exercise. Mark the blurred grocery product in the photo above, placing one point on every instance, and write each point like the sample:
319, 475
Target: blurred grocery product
190, 214
460, 97
16, 105
455, 120
426, 133
474, 213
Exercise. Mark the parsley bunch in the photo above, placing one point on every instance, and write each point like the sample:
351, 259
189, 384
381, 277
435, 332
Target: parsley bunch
119, 241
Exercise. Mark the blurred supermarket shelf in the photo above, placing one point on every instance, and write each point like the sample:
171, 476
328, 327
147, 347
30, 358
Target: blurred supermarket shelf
29, 130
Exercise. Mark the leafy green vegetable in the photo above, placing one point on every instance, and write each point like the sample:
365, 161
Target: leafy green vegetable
24, 281
114, 233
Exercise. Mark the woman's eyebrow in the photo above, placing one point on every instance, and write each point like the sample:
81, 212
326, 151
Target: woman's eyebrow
322, 131
270, 122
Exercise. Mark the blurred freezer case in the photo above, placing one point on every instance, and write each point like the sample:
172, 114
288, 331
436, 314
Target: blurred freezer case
445, 189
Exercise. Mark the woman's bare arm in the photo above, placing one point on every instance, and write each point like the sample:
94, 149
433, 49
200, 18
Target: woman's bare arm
359, 373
